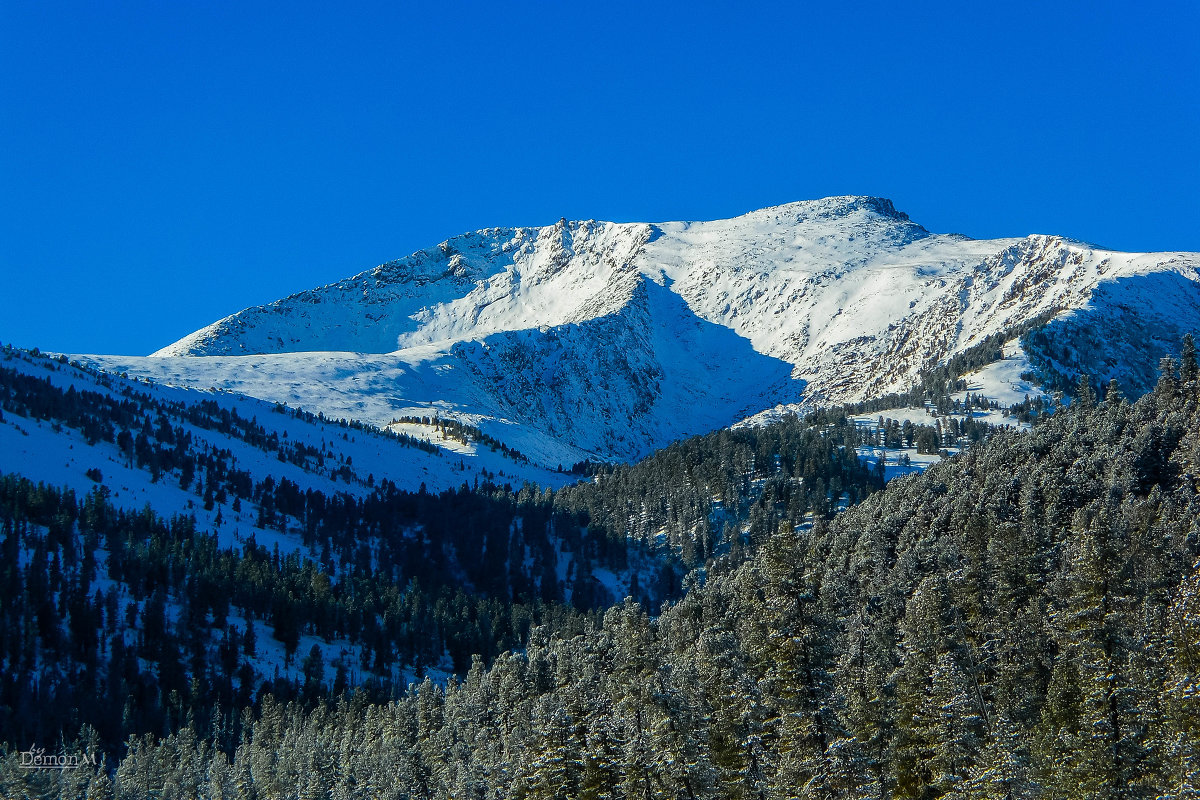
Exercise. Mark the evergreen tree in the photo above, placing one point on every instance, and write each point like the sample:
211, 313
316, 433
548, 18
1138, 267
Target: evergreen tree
1187, 362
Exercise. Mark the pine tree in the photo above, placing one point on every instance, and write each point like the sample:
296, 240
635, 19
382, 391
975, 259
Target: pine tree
557, 767
797, 650
1167, 387
1113, 395
1084, 395
923, 643
1080, 726
1002, 768
1187, 363
1181, 739
953, 724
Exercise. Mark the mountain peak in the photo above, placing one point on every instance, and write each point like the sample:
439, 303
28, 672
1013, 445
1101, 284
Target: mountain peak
612, 338
836, 207
880, 205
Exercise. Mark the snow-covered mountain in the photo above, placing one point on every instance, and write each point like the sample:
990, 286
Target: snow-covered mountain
611, 339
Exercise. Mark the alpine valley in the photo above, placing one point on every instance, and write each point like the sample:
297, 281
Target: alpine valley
811, 502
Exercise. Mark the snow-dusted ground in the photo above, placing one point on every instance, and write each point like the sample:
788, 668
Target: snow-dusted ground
49, 452
270, 659
610, 340
57, 455
375, 390
989, 383
1001, 381
898, 460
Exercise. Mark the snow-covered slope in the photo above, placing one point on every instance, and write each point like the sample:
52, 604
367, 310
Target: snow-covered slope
100, 436
613, 339
318, 454
471, 286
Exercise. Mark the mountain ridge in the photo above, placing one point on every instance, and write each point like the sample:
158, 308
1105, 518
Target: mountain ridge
847, 294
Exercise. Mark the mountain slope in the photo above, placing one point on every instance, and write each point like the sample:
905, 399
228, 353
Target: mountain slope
477, 284
596, 338
189, 500
1017, 623
266, 442
192, 551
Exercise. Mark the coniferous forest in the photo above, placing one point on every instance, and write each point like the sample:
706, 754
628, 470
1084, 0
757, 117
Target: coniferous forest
1022, 620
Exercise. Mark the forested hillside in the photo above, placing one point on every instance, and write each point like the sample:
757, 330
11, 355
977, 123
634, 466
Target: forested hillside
254, 574
1021, 621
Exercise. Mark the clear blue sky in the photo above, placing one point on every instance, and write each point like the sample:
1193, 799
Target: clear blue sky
163, 164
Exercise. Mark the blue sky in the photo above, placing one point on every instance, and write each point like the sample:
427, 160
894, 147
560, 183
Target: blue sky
163, 164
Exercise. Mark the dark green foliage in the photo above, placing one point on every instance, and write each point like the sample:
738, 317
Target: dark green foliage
752, 480
49, 612
940, 381
1018, 622
413, 580
1187, 361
